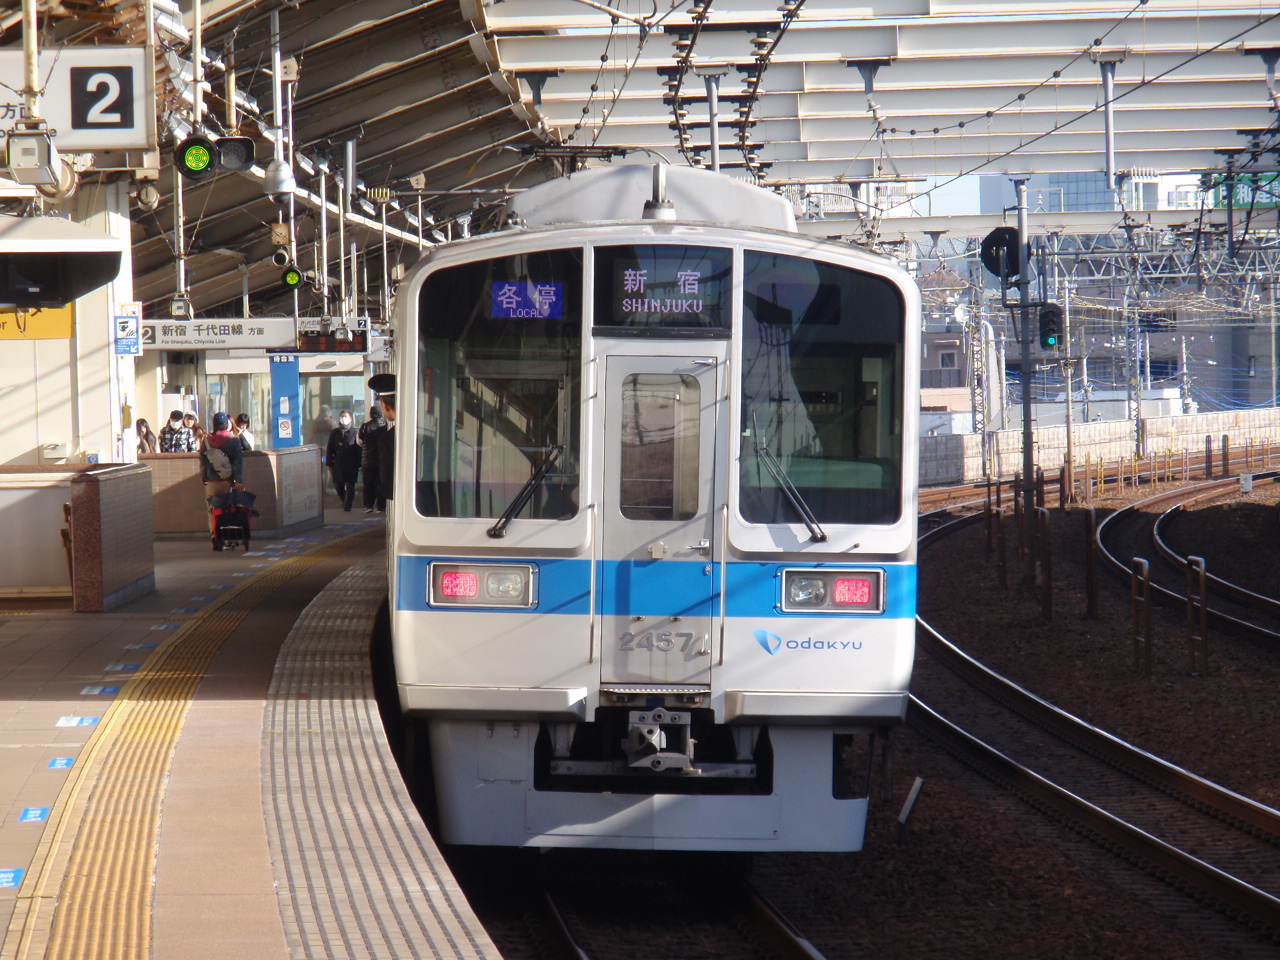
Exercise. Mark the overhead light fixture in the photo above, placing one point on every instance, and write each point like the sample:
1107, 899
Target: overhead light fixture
180, 306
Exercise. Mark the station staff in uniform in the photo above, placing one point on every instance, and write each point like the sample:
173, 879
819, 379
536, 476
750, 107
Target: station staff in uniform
384, 387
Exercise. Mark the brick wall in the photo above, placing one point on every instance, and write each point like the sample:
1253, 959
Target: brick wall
286, 482
112, 536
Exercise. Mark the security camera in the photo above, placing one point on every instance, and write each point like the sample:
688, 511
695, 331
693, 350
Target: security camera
279, 182
281, 257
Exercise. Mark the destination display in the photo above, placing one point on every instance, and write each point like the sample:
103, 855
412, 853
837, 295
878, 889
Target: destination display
526, 299
676, 288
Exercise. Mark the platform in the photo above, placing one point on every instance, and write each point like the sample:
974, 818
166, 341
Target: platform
202, 772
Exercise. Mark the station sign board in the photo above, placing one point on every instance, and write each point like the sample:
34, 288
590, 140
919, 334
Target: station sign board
95, 98
219, 334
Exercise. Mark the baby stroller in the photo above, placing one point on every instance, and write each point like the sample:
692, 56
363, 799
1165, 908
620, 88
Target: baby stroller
232, 513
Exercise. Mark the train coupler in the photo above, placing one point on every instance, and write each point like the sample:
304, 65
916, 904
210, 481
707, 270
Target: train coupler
659, 740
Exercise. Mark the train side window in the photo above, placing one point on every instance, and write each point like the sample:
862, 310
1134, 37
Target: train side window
660, 424
499, 385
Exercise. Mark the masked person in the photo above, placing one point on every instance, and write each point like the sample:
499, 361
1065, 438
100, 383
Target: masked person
176, 436
342, 454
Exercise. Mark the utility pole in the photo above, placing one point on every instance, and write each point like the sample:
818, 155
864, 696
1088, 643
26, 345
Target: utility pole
1028, 377
1068, 364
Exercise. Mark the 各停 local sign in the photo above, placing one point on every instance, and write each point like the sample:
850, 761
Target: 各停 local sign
211, 334
95, 98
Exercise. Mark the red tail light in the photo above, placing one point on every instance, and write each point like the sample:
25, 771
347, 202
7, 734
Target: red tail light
459, 584
852, 591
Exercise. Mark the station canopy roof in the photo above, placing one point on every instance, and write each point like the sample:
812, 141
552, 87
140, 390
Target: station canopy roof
451, 102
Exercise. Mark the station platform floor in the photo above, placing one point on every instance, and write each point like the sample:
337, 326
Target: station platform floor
202, 774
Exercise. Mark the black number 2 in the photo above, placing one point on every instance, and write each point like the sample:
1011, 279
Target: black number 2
101, 98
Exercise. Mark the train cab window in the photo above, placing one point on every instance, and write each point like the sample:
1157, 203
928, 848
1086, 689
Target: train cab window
499, 386
822, 383
663, 290
660, 422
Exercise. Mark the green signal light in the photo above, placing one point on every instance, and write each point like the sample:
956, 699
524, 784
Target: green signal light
292, 277
1051, 341
197, 158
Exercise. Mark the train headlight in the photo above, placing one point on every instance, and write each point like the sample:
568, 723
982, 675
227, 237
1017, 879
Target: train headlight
806, 591
505, 585
481, 585
824, 590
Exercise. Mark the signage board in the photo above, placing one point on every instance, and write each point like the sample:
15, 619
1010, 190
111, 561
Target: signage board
42, 323
219, 334
95, 98
127, 337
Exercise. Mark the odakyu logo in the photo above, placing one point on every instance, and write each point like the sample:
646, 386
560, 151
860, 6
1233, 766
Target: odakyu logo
772, 643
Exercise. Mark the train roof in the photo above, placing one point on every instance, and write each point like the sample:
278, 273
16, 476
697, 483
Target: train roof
621, 193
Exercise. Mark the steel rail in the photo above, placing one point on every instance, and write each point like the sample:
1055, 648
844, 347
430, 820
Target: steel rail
1224, 588
1163, 860
1122, 570
1257, 818
781, 931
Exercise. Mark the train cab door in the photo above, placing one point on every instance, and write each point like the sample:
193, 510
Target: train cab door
658, 576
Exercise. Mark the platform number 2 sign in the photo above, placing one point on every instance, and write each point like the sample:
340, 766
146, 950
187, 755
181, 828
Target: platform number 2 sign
101, 98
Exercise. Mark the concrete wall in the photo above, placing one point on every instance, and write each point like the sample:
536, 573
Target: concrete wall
287, 483
958, 459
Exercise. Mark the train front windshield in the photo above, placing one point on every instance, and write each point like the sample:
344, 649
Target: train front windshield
821, 382
822, 386
500, 360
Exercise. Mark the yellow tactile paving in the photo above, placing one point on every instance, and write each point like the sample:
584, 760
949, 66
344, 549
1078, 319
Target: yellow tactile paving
88, 893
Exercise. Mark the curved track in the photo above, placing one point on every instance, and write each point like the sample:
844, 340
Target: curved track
1133, 532
1213, 843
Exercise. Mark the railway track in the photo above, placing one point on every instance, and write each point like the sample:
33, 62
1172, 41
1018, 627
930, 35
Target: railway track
1204, 839
1134, 532
738, 920
614, 905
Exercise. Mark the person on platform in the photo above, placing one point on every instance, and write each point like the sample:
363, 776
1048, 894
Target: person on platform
241, 430
369, 433
146, 439
342, 454
384, 387
176, 436
221, 462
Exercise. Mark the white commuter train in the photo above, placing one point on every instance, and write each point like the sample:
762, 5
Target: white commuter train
653, 540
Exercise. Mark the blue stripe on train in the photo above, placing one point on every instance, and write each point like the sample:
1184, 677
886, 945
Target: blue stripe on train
657, 587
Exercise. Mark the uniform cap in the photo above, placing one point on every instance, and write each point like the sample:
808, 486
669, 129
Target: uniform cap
383, 384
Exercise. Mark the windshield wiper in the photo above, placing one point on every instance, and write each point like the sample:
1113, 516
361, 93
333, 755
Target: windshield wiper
816, 533
499, 529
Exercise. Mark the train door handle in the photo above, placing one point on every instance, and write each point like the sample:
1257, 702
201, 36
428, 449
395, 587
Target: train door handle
702, 546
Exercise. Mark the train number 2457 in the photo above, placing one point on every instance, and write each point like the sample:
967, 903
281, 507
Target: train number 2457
656, 640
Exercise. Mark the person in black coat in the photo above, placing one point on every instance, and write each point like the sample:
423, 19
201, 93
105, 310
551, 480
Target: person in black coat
384, 385
369, 433
342, 454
